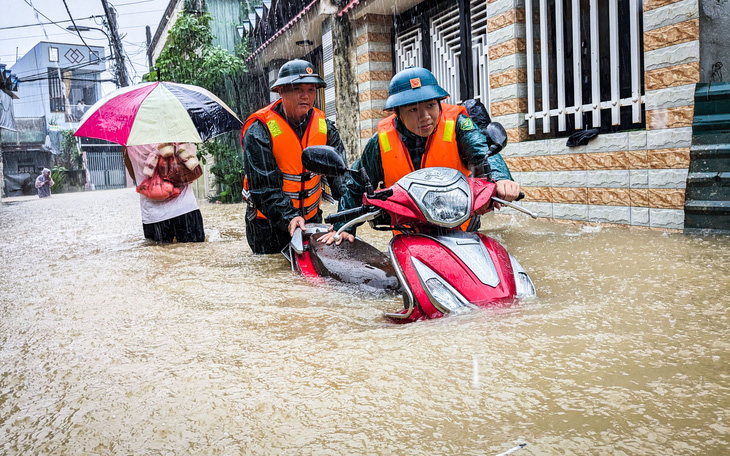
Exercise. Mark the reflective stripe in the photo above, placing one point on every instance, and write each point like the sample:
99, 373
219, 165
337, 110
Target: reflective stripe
274, 128
312, 207
384, 143
322, 126
307, 194
449, 131
298, 177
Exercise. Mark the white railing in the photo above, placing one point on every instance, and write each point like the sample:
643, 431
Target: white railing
596, 105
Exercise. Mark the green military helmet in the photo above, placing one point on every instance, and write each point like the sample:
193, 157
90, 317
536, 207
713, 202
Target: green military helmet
413, 85
297, 72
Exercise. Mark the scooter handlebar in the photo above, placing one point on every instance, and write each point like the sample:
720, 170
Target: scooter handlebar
347, 215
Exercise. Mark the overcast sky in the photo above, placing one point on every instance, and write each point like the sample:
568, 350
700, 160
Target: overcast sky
20, 30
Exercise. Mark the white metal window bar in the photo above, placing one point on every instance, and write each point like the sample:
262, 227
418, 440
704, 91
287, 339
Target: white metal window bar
408, 49
596, 104
446, 50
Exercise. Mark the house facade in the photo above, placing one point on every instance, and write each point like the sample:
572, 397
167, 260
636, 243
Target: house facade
59, 82
8, 89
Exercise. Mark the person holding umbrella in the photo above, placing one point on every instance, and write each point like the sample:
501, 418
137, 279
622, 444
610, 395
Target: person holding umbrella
282, 194
176, 218
149, 119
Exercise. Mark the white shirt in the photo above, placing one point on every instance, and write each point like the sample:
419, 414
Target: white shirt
154, 211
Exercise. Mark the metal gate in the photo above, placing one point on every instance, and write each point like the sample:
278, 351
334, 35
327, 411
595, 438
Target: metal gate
106, 170
445, 50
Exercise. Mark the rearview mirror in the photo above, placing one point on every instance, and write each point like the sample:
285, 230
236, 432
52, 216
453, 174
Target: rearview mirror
323, 160
496, 137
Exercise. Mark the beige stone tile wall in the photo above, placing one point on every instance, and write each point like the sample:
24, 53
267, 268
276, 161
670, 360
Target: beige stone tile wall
374, 70
635, 178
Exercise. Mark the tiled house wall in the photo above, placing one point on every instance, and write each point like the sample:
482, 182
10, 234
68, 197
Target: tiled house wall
507, 66
634, 178
374, 70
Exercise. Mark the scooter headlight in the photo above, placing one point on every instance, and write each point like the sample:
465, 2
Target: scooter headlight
446, 207
442, 194
442, 295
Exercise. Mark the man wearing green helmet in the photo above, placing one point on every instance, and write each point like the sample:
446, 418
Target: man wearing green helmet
282, 194
422, 132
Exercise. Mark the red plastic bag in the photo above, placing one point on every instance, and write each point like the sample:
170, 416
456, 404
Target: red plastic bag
173, 170
156, 188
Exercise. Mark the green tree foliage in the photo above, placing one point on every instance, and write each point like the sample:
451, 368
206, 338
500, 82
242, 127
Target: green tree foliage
228, 170
58, 175
70, 157
189, 57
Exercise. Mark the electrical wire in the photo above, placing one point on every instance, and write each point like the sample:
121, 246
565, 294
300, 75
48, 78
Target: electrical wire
30, 3
46, 23
78, 32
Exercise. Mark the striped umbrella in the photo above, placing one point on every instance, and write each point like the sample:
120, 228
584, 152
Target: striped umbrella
157, 112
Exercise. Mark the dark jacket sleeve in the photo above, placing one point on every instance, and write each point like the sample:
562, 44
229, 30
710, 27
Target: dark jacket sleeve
473, 148
265, 179
334, 140
354, 188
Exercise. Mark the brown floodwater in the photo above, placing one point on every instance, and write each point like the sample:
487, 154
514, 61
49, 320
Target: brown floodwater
110, 344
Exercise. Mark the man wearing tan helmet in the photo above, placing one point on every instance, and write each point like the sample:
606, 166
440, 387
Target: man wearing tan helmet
282, 194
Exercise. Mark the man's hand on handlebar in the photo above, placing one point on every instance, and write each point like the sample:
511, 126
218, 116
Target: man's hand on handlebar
507, 190
330, 237
296, 222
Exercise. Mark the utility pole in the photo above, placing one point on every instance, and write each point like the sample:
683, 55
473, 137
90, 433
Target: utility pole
119, 68
149, 42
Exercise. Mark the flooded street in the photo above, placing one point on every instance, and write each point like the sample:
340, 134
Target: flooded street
110, 344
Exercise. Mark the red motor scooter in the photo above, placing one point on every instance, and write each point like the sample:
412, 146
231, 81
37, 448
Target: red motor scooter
438, 268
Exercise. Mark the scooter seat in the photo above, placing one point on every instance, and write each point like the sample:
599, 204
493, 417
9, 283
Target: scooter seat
355, 262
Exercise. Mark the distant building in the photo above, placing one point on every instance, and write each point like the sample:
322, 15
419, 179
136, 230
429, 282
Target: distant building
59, 82
25, 153
8, 89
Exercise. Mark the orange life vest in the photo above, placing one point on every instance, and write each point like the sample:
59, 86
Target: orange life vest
441, 148
304, 188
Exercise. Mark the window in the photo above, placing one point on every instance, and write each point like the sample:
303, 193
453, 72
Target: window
437, 43
80, 95
53, 54
584, 65
55, 91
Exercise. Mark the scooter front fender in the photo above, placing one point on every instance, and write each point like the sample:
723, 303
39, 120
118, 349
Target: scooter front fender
441, 274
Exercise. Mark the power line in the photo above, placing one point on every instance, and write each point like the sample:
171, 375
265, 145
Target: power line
116, 43
48, 18
45, 23
76, 28
133, 3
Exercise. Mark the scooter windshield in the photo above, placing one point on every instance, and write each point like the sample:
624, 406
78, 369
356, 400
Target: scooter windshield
442, 194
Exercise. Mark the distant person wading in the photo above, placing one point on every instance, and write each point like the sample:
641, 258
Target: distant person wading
43, 183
